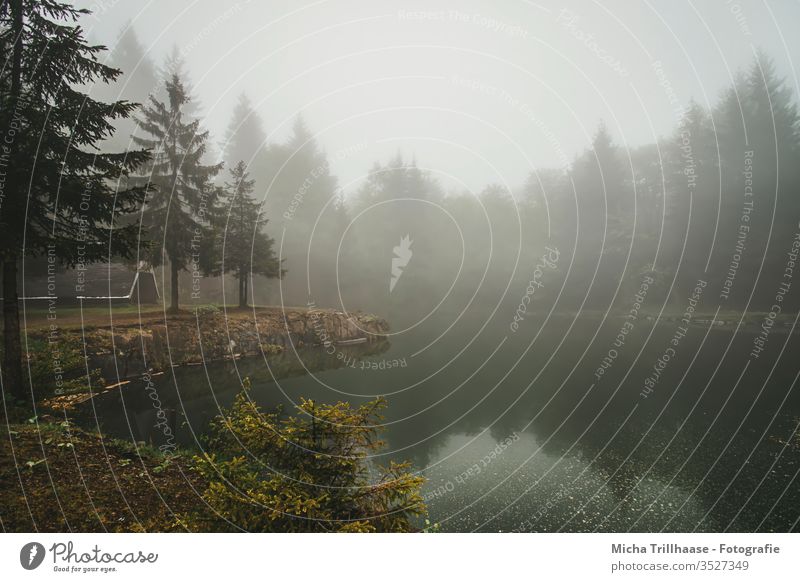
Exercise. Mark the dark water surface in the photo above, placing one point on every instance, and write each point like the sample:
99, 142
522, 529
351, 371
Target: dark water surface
521, 430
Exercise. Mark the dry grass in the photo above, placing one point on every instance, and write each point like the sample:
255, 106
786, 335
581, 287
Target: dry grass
73, 317
57, 478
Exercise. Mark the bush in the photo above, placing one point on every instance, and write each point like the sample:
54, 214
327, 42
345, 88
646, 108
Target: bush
306, 473
208, 311
55, 368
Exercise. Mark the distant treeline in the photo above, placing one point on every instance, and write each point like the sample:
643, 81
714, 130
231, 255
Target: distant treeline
716, 200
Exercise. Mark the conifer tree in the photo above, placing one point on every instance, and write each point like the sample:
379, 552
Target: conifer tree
247, 249
245, 136
298, 188
139, 73
59, 192
611, 172
175, 66
138, 81
179, 211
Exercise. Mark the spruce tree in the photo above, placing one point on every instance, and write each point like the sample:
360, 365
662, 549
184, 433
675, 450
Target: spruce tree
138, 81
140, 78
59, 193
611, 172
175, 66
180, 208
247, 250
297, 189
245, 136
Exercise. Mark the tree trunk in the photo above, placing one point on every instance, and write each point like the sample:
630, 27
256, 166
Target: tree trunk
16, 63
12, 360
242, 290
174, 270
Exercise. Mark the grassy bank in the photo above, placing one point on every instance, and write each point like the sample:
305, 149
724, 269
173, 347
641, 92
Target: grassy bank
76, 317
257, 470
57, 478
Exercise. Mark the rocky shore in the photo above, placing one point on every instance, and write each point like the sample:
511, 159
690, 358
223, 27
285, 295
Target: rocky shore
132, 348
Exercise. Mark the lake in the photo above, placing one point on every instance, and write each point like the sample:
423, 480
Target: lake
564, 424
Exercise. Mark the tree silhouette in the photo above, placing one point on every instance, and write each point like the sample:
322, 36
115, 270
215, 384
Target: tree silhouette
60, 193
180, 210
247, 250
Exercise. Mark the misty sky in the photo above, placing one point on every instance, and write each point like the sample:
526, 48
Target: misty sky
479, 92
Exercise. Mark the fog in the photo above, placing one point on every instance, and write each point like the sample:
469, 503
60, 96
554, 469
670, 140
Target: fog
478, 138
480, 92
571, 226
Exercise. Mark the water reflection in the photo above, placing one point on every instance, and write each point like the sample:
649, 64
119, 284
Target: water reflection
708, 449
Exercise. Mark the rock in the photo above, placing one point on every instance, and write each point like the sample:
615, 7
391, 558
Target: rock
210, 337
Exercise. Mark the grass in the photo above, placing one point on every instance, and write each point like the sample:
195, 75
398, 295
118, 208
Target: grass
56, 478
73, 317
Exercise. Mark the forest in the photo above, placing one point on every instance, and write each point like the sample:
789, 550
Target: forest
712, 197
106, 159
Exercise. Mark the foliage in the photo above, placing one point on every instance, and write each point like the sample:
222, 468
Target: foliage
208, 311
61, 195
59, 368
56, 368
299, 186
139, 79
397, 200
245, 136
68, 199
246, 249
179, 212
46, 490
311, 472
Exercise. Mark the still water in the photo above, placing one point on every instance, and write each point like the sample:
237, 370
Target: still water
557, 426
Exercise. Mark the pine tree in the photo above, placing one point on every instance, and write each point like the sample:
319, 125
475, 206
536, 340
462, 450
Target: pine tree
175, 66
245, 137
59, 192
179, 212
756, 120
138, 81
771, 113
140, 78
401, 200
300, 188
612, 175
247, 250
321, 474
